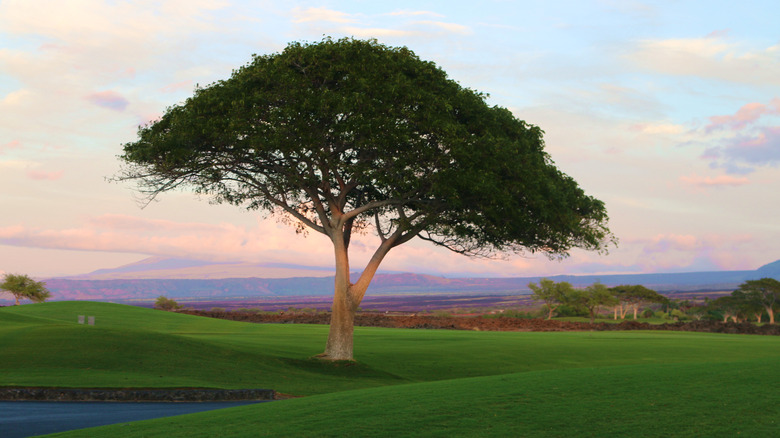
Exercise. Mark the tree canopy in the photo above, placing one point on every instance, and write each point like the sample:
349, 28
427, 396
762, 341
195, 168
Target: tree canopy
346, 135
24, 287
552, 294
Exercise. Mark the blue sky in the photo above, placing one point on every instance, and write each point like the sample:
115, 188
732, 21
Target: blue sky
667, 111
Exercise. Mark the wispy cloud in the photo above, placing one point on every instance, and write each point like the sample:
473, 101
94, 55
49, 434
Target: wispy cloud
709, 57
447, 27
13, 144
408, 13
405, 24
109, 99
718, 181
308, 15
41, 175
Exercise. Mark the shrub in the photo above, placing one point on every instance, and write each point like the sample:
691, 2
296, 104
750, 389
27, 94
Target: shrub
165, 303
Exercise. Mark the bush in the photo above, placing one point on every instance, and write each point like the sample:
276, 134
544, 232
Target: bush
165, 303
566, 310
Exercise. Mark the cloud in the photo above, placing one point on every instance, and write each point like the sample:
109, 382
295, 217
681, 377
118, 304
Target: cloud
407, 13
44, 176
749, 113
109, 99
447, 27
375, 32
217, 242
718, 181
709, 57
320, 14
658, 128
688, 253
13, 144
362, 26
178, 86
743, 153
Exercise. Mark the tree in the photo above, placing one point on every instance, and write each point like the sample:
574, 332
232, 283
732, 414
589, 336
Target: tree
344, 136
729, 306
24, 287
551, 293
595, 296
634, 296
764, 292
165, 303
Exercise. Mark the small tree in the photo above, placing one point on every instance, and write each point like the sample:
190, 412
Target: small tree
764, 293
634, 296
24, 287
595, 296
551, 293
165, 303
729, 306
344, 136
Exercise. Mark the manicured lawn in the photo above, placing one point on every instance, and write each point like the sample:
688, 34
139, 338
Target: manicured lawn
406, 382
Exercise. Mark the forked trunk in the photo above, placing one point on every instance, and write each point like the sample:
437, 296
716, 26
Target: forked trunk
347, 298
635, 310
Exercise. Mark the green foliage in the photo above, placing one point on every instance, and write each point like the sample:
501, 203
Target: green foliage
339, 126
24, 287
635, 296
758, 296
165, 303
551, 293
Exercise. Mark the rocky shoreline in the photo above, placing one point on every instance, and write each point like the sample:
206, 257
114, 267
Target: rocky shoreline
135, 395
491, 324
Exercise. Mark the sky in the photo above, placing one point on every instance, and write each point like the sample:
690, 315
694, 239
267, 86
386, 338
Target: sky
668, 111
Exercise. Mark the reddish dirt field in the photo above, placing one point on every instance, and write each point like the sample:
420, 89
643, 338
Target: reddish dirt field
479, 323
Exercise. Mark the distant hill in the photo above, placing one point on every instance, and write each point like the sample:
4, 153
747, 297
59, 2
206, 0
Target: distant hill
174, 268
392, 283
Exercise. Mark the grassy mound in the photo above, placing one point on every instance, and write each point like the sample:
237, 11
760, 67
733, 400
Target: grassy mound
407, 382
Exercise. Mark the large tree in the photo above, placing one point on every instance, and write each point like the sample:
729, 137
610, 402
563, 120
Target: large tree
24, 287
345, 135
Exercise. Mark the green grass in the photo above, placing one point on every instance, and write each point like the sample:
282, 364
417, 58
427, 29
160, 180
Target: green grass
406, 382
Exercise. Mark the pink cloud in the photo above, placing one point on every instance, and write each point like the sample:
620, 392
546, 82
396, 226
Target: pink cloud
109, 99
44, 176
718, 181
689, 253
13, 144
749, 113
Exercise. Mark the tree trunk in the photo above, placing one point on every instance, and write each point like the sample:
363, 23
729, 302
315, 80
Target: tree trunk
17, 299
616, 312
347, 298
342, 323
636, 307
342, 318
771, 313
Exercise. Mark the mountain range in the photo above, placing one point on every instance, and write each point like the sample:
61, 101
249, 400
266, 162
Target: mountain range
173, 278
